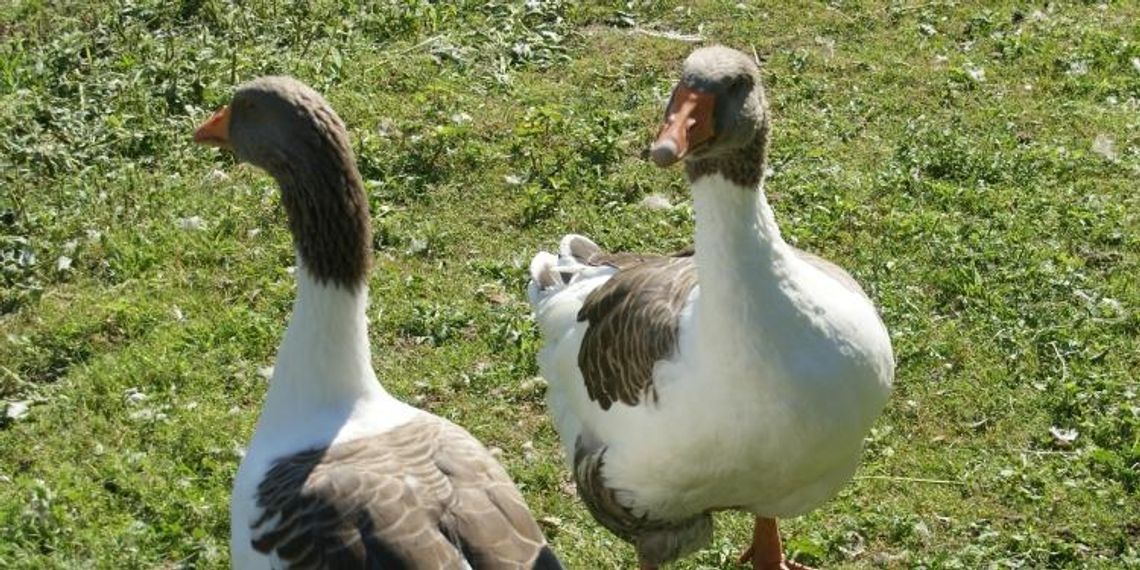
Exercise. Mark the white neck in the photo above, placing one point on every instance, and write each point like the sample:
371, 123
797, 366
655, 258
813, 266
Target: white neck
325, 361
744, 266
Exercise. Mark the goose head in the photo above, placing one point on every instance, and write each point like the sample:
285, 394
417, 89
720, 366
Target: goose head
717, 118
287, 129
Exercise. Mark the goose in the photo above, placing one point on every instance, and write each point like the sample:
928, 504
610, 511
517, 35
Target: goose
742, 374
339, 473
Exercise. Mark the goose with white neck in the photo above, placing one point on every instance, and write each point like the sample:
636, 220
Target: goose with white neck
741, 375
340, 474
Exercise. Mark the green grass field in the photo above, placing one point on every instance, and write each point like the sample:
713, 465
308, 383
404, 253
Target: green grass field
974, 164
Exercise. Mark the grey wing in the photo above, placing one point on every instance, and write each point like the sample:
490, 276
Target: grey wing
400, 500
489, 517
600, 500
633, 322
656, 541
368, 503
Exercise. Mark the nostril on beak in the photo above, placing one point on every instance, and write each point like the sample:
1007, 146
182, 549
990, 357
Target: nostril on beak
664, 152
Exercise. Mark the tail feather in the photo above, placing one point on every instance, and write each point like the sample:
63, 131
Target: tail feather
578, 248
542, 270
543, 276
551, 273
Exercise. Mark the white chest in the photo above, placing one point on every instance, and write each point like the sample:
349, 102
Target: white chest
770, 420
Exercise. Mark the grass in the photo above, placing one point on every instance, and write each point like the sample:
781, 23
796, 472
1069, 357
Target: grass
973, 164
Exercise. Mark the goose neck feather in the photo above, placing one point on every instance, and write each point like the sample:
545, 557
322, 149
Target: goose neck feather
743, 263
328, 215
325, 361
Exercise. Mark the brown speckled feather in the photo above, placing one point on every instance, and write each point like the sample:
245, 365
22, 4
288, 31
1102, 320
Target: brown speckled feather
633, 321
600, 500
656, 541
424, 495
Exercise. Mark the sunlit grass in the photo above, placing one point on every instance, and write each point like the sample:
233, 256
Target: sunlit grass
974, 165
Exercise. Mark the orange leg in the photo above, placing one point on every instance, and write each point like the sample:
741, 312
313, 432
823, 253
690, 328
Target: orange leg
766, 553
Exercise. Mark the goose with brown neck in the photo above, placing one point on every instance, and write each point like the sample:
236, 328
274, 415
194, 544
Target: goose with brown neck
742, 374
339, 474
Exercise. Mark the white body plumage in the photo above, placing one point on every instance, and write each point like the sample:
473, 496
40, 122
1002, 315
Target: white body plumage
323, 392
779, 372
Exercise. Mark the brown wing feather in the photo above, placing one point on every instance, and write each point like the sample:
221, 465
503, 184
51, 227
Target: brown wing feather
634, 315
633, 321
424, 495
657, 541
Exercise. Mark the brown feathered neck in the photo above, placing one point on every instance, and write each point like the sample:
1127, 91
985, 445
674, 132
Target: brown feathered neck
327, 208
743, 166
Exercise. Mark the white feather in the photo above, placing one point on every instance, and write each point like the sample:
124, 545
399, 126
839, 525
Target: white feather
323, 391
779, 373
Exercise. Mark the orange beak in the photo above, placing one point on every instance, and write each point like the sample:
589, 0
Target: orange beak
688, 124
216, 130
